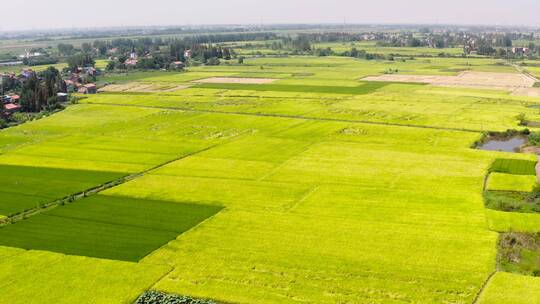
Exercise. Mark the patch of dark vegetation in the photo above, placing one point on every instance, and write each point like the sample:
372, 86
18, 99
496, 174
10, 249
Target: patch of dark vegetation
514, 166
107, 227
454, 70
537, 84
512, 201
525, 122
302, 74
534, 138
157, 297
519, 253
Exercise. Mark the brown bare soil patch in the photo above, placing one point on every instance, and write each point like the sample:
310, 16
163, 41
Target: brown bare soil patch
236, 80
483, 80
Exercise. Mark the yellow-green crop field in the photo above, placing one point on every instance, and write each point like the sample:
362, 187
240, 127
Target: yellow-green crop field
315, 188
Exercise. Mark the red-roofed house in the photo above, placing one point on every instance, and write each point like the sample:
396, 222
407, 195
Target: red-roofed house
11, 108
88, 89
178, 65
131, 62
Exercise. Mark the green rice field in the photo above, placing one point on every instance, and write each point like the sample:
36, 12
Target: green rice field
316, 188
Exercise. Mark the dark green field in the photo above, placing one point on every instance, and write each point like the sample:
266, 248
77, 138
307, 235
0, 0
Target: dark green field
364, 88
514, 166
106, 227
27, 187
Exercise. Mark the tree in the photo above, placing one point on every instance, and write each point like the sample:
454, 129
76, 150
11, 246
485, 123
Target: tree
80, 60
213, 61
86, 48
40, 93
241, 60
66, 49
110, 66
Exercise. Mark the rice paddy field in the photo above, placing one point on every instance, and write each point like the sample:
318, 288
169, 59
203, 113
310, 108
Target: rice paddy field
318, 187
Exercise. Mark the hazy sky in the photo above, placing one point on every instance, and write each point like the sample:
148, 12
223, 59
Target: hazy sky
44, 14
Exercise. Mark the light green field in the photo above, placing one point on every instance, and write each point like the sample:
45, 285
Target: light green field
346, 195
506, 288
510, 182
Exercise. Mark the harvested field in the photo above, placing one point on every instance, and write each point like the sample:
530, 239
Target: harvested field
484, 80
236, 80
529, 92
142, 87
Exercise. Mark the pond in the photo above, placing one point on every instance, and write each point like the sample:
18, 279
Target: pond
512, 144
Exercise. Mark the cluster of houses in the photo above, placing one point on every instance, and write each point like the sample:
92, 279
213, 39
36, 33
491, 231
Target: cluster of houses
10, 104
133, 59
74, 82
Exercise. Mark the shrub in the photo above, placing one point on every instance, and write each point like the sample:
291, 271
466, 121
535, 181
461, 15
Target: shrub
157, 297
534, 138
522, 119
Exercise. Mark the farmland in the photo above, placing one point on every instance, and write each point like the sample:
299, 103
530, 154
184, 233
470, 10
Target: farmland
318, 187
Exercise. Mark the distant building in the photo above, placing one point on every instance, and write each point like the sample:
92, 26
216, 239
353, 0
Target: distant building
27, 73
90, 71
520, 50
88, 89
70, 85
5, 99
178, 65
62, 97
131, 62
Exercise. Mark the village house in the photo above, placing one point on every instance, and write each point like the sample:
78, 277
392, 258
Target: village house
88, 89
71, 85
10, 99
90, 71
10, 108
62, 97
15, 98
131, 62
27, 73
520, 50
178, 65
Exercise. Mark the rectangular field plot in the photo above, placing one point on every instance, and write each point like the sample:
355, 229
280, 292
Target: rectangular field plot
48, 277
514, 166
510, 182
236, 80
106, 227
25, 188
363, 88
508, 288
